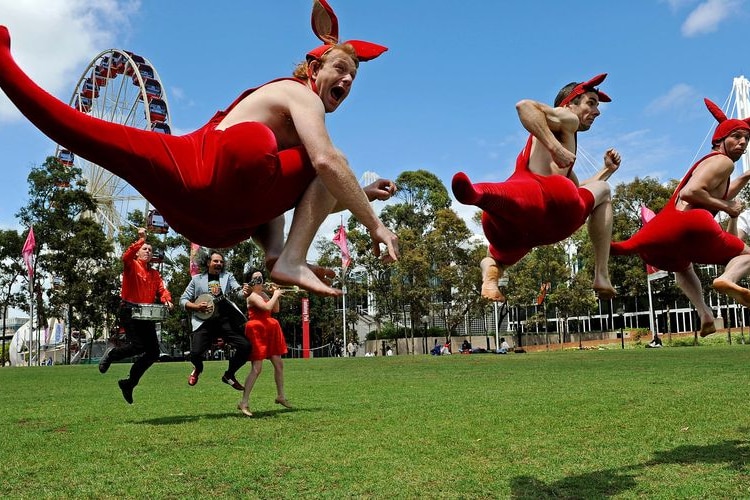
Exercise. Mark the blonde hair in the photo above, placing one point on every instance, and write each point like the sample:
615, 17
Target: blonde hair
300, 71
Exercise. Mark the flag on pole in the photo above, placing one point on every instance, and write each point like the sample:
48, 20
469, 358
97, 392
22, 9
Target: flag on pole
340, 241
194, 251
28, 252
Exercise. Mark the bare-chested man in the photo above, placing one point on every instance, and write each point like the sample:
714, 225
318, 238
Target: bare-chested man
542, 203
685, 231
271, 145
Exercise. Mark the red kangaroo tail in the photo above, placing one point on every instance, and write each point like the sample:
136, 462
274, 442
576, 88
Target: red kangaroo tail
118, 148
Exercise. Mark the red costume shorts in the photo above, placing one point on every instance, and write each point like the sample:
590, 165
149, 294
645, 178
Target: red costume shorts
674, 239
525, 211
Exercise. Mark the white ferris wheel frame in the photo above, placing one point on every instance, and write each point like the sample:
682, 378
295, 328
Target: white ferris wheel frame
123, 99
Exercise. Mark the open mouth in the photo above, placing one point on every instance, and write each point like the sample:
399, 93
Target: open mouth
337, 93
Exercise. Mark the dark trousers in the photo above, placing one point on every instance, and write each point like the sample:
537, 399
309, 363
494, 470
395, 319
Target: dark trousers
140, 336
232, 332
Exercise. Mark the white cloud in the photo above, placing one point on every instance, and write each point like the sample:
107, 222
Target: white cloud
677, 98
54, 40
675, 5
708, 15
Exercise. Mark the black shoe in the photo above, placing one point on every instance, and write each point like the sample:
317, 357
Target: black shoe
127, 390
105, 361
229, 379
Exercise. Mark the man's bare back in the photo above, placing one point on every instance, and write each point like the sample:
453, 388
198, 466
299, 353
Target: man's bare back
270, 105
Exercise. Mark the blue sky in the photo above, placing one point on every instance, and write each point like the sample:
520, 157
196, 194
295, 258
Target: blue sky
441, 99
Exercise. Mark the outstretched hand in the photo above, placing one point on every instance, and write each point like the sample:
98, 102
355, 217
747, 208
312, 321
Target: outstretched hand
381, 189
382, 234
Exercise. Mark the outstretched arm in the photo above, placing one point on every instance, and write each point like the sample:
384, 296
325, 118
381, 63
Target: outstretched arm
611, 164
381, 189
308, 115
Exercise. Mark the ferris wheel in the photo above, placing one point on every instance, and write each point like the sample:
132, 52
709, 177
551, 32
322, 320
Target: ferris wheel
120, 87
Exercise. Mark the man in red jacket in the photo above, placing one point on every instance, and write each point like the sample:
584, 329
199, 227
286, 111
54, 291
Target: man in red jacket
141, 284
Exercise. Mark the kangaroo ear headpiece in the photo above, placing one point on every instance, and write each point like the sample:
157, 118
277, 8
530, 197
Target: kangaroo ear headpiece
726, 125
589, 86
325, 25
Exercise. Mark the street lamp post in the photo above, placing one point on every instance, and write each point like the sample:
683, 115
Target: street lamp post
502, 284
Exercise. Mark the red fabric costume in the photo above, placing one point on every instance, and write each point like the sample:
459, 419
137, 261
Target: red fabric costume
673, 239
265, 335
525, 211
199, 182
184, 177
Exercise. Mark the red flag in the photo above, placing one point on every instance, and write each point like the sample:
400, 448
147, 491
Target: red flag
194, 267
28, 252
646, 215
340, 240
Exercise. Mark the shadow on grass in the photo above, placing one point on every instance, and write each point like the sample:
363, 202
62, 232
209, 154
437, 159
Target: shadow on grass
610, 482
181, 419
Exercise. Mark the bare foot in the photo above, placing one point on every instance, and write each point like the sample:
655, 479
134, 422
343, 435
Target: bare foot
741, 295
283, 402
245, 410
604, 289
490, 290
324, 274
605, 293
707, 329
303, 277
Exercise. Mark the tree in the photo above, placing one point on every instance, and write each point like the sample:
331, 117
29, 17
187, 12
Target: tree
573, 298
11, 269
545, 264
72, 250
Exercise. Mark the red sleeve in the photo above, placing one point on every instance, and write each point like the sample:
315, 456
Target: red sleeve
129, 255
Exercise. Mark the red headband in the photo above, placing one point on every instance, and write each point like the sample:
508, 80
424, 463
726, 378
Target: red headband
726, 125
325, 25
589, 86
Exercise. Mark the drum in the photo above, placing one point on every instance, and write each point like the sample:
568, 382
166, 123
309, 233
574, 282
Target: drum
149, 312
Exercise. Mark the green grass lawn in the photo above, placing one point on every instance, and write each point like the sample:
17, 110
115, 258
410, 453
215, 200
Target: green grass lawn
662, 423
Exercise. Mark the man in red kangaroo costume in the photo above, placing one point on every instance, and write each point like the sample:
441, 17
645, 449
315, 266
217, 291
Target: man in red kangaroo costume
271, 145
685, 230
542, 203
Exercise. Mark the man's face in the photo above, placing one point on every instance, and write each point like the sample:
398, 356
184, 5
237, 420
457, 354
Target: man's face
216, 264
587, 110
144, 253
334, 78
735, 143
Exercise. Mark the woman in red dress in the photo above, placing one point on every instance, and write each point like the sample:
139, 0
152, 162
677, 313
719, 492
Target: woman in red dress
266, 338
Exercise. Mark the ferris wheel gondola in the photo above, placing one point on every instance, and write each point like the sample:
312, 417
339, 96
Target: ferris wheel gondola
120, 87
